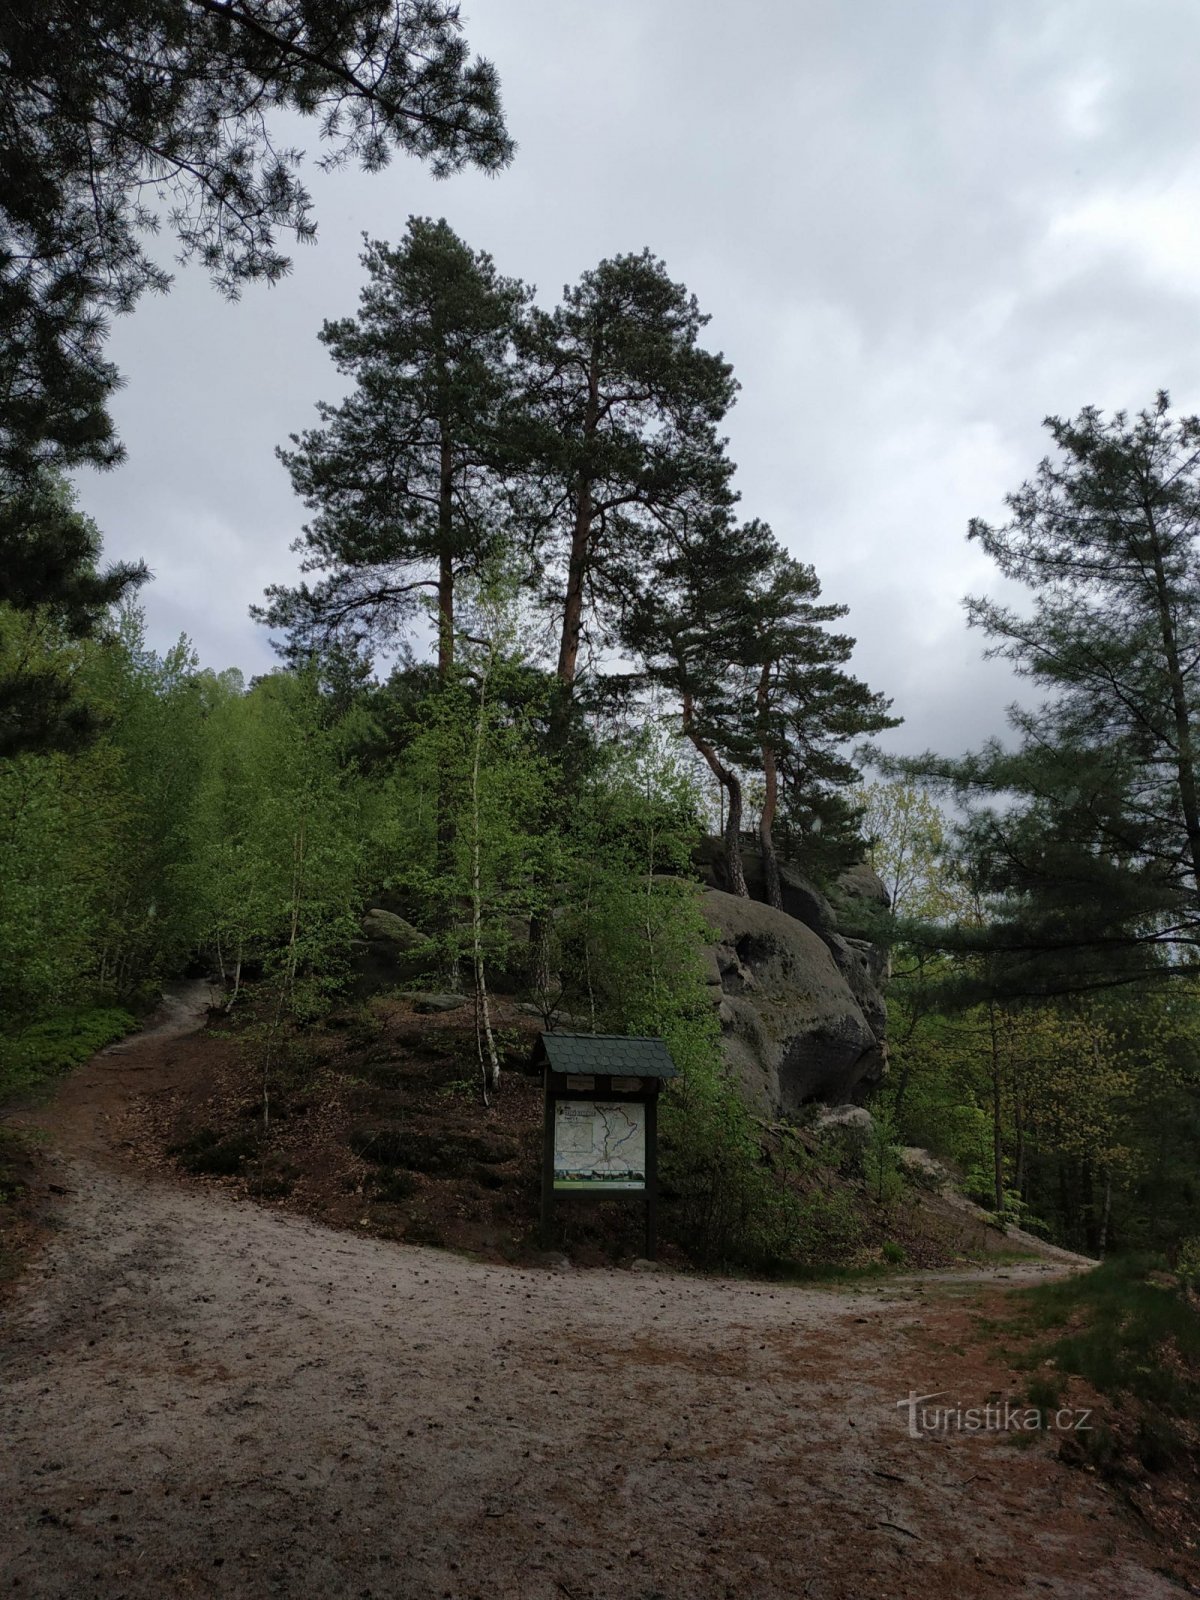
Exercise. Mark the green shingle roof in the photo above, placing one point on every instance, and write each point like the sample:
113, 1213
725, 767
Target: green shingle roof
605, 1054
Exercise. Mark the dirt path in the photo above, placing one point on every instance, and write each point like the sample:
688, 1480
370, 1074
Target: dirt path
204, 1397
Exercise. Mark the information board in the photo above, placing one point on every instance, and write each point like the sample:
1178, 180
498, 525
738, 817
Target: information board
599, 1144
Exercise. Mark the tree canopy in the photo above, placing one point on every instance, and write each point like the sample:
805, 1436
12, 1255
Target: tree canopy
115, 112
403, 474
1088, 830
118, 115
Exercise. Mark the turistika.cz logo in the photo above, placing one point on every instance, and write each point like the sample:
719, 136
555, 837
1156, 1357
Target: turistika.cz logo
995, 1417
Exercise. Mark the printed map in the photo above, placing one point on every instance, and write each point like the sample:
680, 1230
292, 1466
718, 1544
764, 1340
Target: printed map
599, 1144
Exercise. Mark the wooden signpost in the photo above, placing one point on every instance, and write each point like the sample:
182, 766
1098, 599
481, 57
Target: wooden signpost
601, 1121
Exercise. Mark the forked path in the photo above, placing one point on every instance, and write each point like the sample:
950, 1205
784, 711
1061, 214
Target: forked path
204, 1397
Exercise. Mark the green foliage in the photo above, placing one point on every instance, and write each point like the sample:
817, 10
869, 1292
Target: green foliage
909, 845
274, 860
51, 594
403, 475
456, 829
96, 108
1085, 837
56, 1044
1187, 1263
1125, 1328
885, 1181
731, 626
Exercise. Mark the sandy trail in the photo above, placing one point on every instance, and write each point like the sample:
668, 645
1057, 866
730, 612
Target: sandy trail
204, 1397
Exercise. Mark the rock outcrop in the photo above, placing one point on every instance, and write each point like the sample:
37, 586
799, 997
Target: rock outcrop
386, 954
800, 990
791, 1026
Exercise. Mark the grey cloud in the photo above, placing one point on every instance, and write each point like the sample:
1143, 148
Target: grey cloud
868, 201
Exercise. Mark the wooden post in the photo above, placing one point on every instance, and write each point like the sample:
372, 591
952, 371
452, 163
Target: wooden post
547, 1162
652, 1175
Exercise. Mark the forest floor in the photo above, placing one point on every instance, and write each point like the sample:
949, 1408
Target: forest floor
207, 1396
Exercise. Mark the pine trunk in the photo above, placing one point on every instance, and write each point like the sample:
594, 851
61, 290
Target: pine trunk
731, 784
766, 822
1185, 763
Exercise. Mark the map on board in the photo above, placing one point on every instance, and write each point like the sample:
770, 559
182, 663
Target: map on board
599, 1144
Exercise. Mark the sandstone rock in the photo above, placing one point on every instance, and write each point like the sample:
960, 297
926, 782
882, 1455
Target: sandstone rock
386, 955
801, 897
796, 1031
856, 960
426, 1003
925, 1167
859, 898
857, 1118
385, 927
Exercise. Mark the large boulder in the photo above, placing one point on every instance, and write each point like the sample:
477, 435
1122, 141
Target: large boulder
386, 928
801, 897
792, 1027
860, 964
388, 954
858, 895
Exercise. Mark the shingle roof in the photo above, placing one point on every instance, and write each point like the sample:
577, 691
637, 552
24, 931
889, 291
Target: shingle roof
607, 1054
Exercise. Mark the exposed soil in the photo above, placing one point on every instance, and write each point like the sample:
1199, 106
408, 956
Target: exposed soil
208, 1396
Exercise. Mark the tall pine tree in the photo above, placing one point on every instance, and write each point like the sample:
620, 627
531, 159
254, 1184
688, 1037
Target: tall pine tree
625, 405
404, 474
1089, 828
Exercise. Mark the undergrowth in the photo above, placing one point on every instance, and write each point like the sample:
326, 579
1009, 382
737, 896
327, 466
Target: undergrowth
1131, 1331
1127, 1328
44, 1049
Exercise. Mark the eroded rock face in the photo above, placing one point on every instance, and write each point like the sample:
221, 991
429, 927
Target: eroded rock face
794, 1029
792, 1026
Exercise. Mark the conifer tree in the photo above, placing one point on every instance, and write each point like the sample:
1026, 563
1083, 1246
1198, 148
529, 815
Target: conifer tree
1088, 830
806, 708
109, 107
731, 625
690, 629
403, 474
50, 572
625, 405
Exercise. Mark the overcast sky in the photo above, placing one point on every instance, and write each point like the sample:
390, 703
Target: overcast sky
918, 228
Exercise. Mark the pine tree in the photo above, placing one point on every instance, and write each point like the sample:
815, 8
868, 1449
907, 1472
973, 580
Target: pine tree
731, 625
49, 573
690, 629
101, 103
806, 708
625, 405
1095, 845
403, 474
